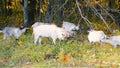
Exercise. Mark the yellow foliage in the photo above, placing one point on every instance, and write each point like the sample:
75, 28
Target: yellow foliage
101, 0
41, 10
45, 1
117, 2
13, 3
28, 2
86, 5
44, 6
93, 3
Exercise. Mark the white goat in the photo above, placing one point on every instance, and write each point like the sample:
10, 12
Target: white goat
12, 31
70, 27
96, 36
114, 40
38, 23
48, 31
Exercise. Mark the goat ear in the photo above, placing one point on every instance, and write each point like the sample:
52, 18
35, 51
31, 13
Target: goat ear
21, 27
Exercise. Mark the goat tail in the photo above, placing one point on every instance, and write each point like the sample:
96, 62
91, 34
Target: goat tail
1, 31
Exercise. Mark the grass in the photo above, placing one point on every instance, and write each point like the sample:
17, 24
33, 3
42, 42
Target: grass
73, 53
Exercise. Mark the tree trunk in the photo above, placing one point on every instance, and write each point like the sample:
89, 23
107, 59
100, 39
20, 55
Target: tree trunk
40, 14
111, 4
25, 13
4, 8
9, 10
52, 12
60, 13
31, 12
49, 13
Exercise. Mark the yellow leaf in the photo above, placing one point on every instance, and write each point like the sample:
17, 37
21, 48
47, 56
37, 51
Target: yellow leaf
41, 10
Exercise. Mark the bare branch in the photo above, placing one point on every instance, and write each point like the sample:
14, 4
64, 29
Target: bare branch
98, 14
84, 18
106, 11
79, 21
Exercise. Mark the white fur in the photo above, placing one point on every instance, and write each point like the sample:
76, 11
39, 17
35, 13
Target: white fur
70, 27
48, 30
37, 24
114, 40
12, 31
95, 36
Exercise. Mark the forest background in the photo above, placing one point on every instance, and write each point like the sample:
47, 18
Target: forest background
27, 12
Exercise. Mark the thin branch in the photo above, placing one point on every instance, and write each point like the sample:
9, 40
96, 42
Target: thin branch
98, 14
106, 11
85, 19
79, 21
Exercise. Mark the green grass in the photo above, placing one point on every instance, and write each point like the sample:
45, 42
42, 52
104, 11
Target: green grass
73, 53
